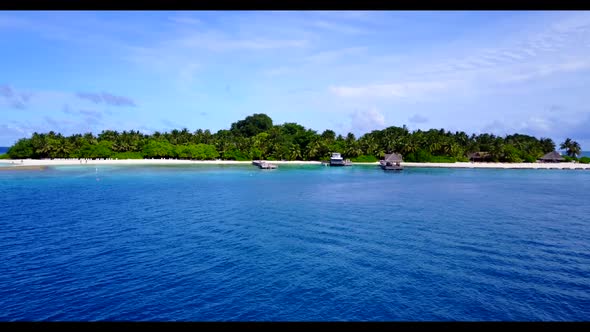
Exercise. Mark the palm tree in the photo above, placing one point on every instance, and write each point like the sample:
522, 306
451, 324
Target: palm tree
455, 149
313, 149
446, 148
121, 146
350, 138
368, 145
353, 150
390, 143
261, 143
89, 137
497, 150
198, 136
223, 145
573, 148
547, 145
108, 135
410, 147
207, 137
434, 146
173, 136
294, 152
45, 150
49, 148
63, 148
184, 136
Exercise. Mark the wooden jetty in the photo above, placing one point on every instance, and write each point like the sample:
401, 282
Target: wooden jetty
264, 164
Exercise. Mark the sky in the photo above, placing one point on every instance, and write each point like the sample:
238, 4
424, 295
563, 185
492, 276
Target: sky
499, 72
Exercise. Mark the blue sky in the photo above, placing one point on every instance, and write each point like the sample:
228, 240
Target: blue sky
500, 72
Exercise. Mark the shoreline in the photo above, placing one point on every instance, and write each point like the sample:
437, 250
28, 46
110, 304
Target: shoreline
9, 163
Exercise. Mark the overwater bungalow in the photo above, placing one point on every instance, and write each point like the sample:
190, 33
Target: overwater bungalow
392, 162
479, 156
552, 157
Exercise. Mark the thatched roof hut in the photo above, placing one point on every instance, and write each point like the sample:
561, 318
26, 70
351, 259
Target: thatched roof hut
552, 157
479, 156
393, 158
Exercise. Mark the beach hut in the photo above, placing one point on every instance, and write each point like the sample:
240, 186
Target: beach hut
392, 162
479, 156
552, 157
393, 158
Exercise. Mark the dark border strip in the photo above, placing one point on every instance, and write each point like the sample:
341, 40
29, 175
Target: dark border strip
295, 5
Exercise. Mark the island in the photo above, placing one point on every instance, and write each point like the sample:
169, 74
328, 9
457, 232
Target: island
257, 138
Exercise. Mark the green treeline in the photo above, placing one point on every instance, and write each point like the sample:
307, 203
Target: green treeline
256, 137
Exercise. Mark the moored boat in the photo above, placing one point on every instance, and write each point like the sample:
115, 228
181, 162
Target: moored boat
337, 160
264, 164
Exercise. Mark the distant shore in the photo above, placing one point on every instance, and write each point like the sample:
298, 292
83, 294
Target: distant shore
89, 162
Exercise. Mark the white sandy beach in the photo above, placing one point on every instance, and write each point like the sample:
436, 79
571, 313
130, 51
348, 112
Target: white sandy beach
64, 162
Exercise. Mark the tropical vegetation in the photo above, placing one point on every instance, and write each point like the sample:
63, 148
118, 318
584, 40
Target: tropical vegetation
572, 148
256, 137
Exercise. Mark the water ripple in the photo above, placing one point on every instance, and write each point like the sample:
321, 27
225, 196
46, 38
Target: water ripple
214, 243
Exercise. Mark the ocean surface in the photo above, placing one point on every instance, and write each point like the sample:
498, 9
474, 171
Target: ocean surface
300, 243
3, 149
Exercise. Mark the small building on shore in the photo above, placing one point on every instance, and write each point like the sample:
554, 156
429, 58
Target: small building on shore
552, 157
392, 161
479, 156
393, 158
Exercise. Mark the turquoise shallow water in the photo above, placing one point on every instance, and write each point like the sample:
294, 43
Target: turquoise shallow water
300, 243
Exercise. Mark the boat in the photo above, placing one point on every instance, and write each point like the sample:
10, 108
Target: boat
264, 164
337, 160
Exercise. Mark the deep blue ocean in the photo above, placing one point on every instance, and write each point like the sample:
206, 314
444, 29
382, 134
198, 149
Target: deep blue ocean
300, 243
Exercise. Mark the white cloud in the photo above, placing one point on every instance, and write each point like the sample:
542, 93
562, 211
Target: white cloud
11, 131
512, 55
523, 54
537, 124
576, 23
542, 70
393, 90
556, 127
186, 55
367, 120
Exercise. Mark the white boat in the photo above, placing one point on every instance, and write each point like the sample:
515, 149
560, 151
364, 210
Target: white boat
263, 164
337, 160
